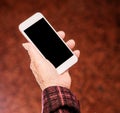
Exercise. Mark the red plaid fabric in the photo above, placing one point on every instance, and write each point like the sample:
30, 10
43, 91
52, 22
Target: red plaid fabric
58, 99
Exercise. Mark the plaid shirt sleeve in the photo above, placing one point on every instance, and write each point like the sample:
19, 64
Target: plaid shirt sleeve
57, 99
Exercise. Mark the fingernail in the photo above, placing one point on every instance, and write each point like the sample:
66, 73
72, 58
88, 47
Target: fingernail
25, 46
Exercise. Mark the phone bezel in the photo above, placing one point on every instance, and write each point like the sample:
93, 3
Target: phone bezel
33, 19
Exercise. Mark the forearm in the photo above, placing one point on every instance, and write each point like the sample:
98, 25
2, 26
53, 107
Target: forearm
59, 99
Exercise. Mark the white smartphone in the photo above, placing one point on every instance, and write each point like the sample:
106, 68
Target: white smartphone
38, 31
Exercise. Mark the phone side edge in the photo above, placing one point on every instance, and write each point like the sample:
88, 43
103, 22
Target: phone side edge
67, 64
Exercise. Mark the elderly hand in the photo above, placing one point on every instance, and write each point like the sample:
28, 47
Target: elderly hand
44, 72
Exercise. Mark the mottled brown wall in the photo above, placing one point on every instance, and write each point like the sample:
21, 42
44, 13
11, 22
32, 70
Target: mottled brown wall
95, 26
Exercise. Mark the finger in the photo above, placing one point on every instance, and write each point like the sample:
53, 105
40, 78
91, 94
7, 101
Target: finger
61, 34
77, 53
71, 43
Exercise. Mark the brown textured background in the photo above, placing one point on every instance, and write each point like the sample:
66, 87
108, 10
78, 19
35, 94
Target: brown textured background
95, 26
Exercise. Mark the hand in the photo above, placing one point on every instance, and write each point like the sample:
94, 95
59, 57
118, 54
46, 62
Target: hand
44, 72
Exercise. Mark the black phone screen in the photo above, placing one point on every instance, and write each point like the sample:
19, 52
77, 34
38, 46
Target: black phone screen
48, 42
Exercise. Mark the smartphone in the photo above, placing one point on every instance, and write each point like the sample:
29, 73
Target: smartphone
38, 31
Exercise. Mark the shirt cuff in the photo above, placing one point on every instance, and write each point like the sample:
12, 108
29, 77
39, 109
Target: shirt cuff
57, 97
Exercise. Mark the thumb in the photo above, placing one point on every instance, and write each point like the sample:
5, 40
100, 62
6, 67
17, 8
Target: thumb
33, 52
25, 45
